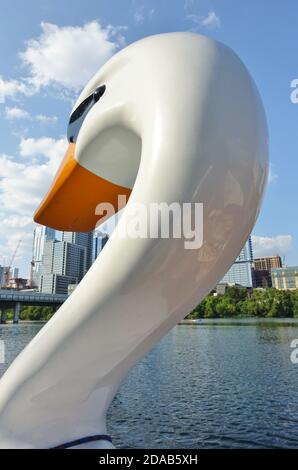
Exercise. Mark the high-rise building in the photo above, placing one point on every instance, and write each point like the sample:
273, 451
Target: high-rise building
41, 235
55, 284
1, 275
66, 259
241, 271
99, 241
267, 263
262, 270
285, 278
262, 278
64, 263
84, 239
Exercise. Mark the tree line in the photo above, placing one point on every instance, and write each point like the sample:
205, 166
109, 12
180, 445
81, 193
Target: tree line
34, 313
237, 302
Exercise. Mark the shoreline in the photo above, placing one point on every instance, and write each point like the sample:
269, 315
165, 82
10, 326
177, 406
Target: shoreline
238, 320
196, 321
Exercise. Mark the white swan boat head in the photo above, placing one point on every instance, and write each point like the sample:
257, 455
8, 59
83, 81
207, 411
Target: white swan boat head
171, 118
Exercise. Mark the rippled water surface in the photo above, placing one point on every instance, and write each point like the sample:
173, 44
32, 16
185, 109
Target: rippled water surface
216, 384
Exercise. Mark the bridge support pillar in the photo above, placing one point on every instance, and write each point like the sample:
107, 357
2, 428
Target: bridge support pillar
3, 316
16, 313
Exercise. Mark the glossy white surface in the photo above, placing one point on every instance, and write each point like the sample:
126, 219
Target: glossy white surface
195, 110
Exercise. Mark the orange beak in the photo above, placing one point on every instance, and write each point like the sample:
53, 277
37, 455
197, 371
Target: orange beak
74, 195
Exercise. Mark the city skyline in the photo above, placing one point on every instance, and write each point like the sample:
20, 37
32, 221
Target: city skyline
65, 259
54, 257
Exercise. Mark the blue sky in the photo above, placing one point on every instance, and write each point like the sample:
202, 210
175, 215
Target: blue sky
36, 93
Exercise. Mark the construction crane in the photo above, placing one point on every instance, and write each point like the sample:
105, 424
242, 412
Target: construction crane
7, 269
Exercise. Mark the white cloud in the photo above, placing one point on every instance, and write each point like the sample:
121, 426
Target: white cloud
12, 113
11, 88
142, 14
13, 221
22, 186
212, 20
267, 246
15, 113
46, 119
138, 17
64, 57
53, 150
69, 55
24, 249
8, 166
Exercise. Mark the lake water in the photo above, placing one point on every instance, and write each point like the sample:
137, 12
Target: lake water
216, 384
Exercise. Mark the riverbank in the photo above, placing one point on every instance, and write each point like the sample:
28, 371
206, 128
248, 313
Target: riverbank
240, 320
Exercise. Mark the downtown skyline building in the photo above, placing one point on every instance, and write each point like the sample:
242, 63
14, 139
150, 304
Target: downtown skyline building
84, 239
99, 241
267, 263
65, 261
1, 274
41, 235
262, 270
285, 278
241, 272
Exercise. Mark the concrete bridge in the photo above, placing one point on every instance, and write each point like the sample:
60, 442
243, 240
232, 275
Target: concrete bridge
10, 299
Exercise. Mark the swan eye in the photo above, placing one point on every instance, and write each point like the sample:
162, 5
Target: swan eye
99, 92
79, 114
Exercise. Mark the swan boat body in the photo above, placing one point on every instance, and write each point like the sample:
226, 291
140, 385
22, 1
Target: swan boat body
171, 118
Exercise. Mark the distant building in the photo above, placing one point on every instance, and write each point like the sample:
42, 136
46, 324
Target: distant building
222, 288
41, 235
7, 273
71, 288
64, 263
262, 278
55, 284
241, 271
267, 263
99, 241
17, 283
285, 278
262, 270
84, 239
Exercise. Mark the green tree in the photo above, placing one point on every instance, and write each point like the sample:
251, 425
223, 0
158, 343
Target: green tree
36, 313
225, 307
210, 306
282, 305
197, 312
236, 294
261, 303
295, 303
